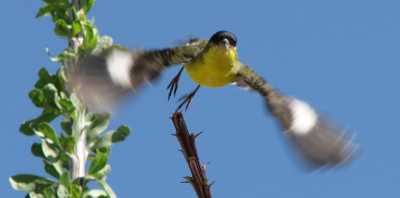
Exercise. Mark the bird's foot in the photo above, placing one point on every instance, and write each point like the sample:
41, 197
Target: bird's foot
173, 85
186, 100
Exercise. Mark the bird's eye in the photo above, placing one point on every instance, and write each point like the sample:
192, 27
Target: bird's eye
232, 41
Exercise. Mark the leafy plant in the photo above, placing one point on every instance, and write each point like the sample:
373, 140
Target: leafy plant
81, 139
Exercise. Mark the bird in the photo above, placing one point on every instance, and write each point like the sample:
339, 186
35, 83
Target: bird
104, 79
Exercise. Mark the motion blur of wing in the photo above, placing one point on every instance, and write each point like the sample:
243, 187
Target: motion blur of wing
318, 141
105, 79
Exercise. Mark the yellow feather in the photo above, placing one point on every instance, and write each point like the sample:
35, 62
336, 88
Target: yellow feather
215, 68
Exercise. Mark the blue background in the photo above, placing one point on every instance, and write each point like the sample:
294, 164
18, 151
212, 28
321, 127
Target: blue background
341, 56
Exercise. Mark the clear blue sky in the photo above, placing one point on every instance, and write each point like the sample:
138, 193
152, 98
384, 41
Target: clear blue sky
341, 56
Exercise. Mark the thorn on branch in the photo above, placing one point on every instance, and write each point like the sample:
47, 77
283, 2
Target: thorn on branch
187, 142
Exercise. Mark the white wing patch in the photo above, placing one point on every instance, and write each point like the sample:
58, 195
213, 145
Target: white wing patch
119, 64
304, 117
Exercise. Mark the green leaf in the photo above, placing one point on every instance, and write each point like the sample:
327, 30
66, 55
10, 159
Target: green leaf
47, 132
44, 78
76, 191
106, 140
76, 28
62, 192
51, 169
90, 38
68, 143
26, 128
50, 93
102, 141
50, 152
102, 173
65, 55
60, 78
48, 115
96, 193
59, 167
66, 105
44, 74
65, 179
107, 188
49, 192
75, 100
98, 163
120, 134
36, 150
37, 97
35, 195
66, 125
62, 28
99, 123
29, 183
87, 5
104, 43
68, 188
77, 15
45, 10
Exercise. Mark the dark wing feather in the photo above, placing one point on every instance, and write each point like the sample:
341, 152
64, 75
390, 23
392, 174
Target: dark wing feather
107, 78
317, 140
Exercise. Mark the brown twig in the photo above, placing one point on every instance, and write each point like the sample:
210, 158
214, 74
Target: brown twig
188, 147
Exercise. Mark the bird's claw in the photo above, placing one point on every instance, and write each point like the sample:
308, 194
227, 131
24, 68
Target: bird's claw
173, 85
186, 100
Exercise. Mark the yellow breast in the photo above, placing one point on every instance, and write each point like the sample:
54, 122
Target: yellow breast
215, 68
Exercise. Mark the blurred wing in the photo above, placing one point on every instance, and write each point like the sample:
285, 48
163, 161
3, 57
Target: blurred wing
105, 79
317, 140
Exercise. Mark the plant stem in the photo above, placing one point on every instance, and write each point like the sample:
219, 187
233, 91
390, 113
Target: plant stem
187, 141
81, 152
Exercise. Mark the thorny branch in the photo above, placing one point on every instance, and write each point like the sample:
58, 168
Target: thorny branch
188, 147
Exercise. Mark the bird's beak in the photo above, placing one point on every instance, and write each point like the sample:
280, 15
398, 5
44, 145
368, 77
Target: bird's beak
226, 43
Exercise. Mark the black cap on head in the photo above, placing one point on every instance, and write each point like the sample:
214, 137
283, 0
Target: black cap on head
221, 35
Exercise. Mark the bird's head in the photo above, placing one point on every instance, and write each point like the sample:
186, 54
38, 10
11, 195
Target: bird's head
223, 39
